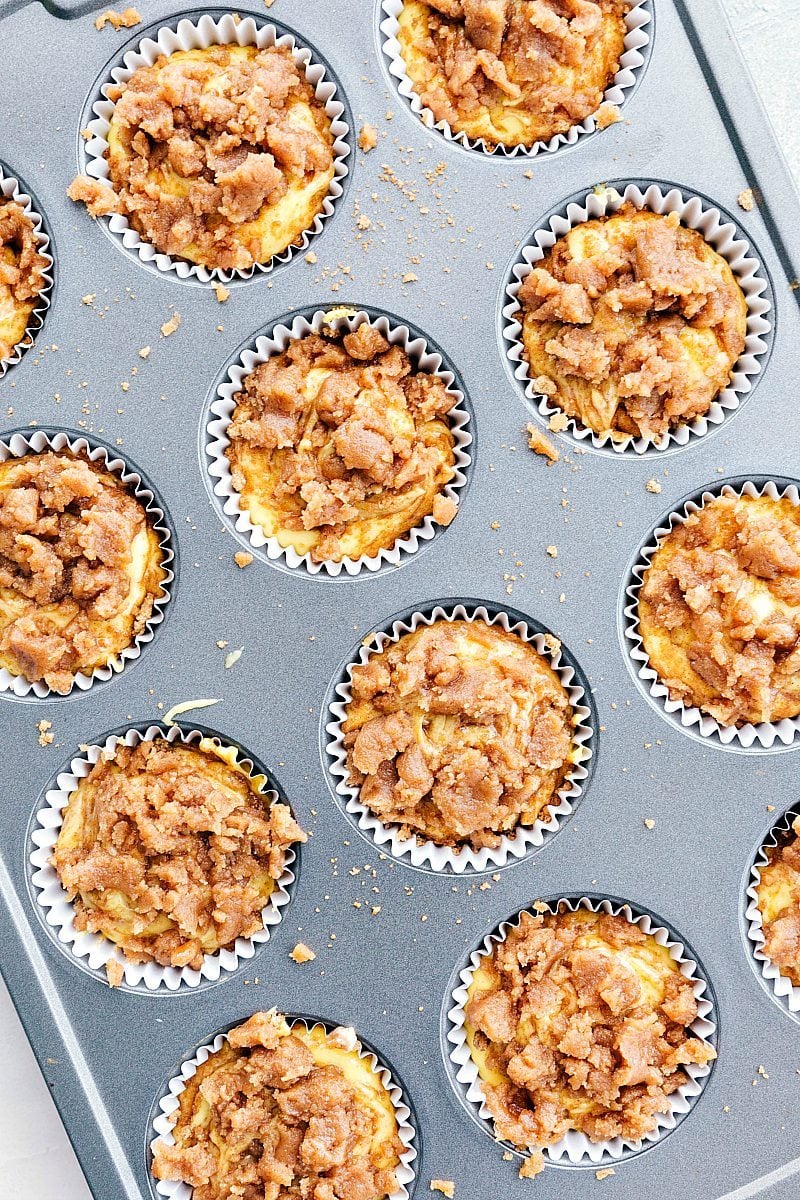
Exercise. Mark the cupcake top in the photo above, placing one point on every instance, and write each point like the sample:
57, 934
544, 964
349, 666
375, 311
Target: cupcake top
171, 850
459, 732
338, 446
580, 1021
222, 156
632, 324
80, 567
311, 1118
779, 905
719, 610
22, 268
513, 72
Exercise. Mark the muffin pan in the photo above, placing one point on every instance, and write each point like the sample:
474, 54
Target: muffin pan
444, 227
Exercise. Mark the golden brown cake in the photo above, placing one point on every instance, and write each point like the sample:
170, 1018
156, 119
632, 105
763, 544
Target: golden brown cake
22, 268
719, 610
579, 1021
632, 324
779, 904
80, 567
459, 733
284, 1112
171, 850
338, 447
512, 72
222, 156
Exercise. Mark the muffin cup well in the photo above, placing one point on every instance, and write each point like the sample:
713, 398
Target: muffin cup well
274, 342
199, 34
786, 993
575, 1149
168, 1103
20, 444
768, 736
719, 230
526, 840
638, 24
12, 189
93, 951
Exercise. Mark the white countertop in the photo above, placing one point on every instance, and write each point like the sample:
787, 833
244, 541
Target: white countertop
36, 1159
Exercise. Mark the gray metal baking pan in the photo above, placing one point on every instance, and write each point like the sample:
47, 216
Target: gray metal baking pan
693, 120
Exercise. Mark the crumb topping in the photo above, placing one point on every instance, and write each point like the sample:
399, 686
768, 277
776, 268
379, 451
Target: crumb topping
512, 72
286, 1113
634, 323
458, 732
779, 904
222, 156
719, 610
171, 851
580, 1021
338, 446
22, 268
80, 567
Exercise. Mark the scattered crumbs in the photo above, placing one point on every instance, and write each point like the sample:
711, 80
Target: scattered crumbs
746, 200
171, 325
552, 551
445, 1186
539, 906
649, 823
89, 298
221, 645
606, 1173
409, 277
363, 222
115, 972
222, 293
123, 20
367, 138
528, 174
726, 1108
533, 1166
508, 1156
607, 114
770, 808
232, 658
541, 444
144, 352
243, 558
302, 953
653, 486
495, 525
45, 737
311, 257
763, 1073
558, 422
268, 3
87, 134
553, 645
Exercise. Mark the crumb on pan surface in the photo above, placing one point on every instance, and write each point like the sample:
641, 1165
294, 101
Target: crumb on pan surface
172, 851
580, 1021
221, 156
80, 567
719, 610
22, 269
459, 732
779, 904
634, 322
338, 446
285, 1112
512, 72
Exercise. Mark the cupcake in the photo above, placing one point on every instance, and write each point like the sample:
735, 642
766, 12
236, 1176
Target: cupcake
512, 72
22, 274
580, 1021
221, 156
171, 851
778, 893
311, 1118
80, 567
339, 446
632, 324
458, 733
719, 609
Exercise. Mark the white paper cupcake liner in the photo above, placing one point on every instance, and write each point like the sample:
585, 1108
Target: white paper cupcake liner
199, 34
11, 189
782, 989
631, 64
18, 445
767, 736
719, 230
275, 342
93, 951
576, 1149
168, 1105
426, 854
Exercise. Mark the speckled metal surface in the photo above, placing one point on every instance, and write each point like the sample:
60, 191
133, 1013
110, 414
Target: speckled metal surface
694, 121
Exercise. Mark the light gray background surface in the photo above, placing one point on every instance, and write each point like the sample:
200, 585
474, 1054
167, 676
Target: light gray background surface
36, 1160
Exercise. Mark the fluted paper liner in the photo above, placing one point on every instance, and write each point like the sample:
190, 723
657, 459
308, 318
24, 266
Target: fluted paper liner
688, 718
169, 1102
719, 230
11, 189
199, 35
526, 838
18, 445
784, 991
275, 342
631, 64
95, 951
575, 1149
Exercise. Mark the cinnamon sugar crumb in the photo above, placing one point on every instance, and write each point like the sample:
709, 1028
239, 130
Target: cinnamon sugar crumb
115, 972
242, 558
606, 1173
311, 257
541, 444
367, 138
445, 1186
558, 422
302, 953
170, 326
746, 200
222, 293
653, 486
607, 114
123, 20
532, 1166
